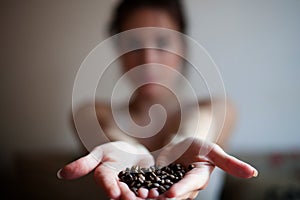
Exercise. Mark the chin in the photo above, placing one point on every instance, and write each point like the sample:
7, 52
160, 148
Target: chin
151, 91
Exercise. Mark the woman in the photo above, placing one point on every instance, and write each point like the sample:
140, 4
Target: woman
146, 151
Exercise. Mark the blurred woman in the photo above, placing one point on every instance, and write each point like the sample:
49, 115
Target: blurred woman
169, 15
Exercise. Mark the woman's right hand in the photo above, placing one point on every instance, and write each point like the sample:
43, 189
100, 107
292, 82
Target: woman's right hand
107, 161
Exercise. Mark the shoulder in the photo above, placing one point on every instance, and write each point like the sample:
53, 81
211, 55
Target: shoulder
102, 107
225, 104
103, 112
224, 114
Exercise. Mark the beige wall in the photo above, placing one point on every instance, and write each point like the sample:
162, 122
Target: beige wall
255, 44
42, 45
43, 42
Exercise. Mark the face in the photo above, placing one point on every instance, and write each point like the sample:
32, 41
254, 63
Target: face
152, 60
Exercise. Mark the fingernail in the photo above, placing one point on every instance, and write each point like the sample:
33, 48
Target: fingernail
255, 173
58, 174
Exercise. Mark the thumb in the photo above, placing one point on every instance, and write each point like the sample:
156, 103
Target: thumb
82, 166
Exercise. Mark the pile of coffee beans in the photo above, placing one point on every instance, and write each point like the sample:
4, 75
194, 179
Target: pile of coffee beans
153, 177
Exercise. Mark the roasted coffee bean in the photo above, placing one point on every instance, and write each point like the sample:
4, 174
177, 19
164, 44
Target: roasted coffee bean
172, 177
191, 166
140, 180
152, 174
156, 185
141, 176
180, 174
164, 176
122, 173
161, 189
158, 172
167, 186
129, 177
132, 184
135, 190
168, 181
149, 185
138, 185
153, 177
153, 168
157, 179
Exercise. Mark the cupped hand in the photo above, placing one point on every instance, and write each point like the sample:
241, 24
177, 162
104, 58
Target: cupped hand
107, 161
205, 156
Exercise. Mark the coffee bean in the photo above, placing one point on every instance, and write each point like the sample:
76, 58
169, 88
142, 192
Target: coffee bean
167, 187
161, 189
158, 172
148, 185
172, 177
164, 176
128, 177
122, 173
180, 174
168, 181
138, 185
135, 190
191, 166
141, 176
140, 180
143, 171
153, 168
152, 174
157, 179
153, 177
132, 184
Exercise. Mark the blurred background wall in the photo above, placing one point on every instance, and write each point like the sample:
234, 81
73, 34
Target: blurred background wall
255, 44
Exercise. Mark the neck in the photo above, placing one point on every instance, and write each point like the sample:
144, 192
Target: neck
142, 104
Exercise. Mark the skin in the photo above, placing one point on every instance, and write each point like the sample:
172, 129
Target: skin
194, 181
105, 155
146, 17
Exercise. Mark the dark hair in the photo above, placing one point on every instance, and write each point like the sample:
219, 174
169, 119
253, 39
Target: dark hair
173, 7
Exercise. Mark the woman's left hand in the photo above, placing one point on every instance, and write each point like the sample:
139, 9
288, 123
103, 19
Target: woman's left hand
204, 156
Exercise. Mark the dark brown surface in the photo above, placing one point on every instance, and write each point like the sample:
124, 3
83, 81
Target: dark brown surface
34, 177
278, 178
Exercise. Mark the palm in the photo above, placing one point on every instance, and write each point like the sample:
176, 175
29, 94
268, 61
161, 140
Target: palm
107, 161
205, 156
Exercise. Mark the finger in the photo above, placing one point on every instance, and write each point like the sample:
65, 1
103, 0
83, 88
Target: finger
231, 164
153, 193
81, 166
143, 193
194, 180
126, 193
190, 195
107, 179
